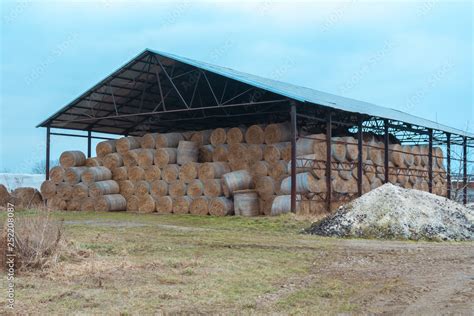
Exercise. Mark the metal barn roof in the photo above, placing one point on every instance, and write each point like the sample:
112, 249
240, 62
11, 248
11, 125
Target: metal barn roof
298, 93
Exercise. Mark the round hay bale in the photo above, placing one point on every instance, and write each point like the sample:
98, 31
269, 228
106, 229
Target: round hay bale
170, 173
408, 156
285, 153
200, 205
195, 188
255, 152
307, 163
408, 185
146, 204
424, 153
136, 173
106, 147
265, 205
338, 149
130, 158
352, 149
164, 204
127, 188
260, 169
276, 133
237, 152
305, 183
187, 135
73, 175
392, 176
47, 189
187, 152
120, 173
159, 188
218, 136
165, 156
278, 169
169, 140
63, 191
112, 161
205, 153
177, 188
272, 153
375, 183
149, 140
124, 144
57, 203
188, 172
72, 158
221, 206
236, 135
246, 203
235, 181
220, 153
255, 135
142, 187
369, 170
415, 150
181, 204
376, 153
380, 173
80, 191
132, 203
438, 157
213, 170
344, 171
305, 145
94, 162
320, 146
56, 174
366, 186
396, 155
88, 205
145, 157
402, 179
282, 204
212, 187
111, 202
29, 198
201, 137
265, 187
152, 173
104, 187
236, 165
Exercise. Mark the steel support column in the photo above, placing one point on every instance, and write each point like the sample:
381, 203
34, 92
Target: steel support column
328, 161
48, 149
464, 171
385, 141
89, 144
430, 160
448, 167
360, 156
294, 133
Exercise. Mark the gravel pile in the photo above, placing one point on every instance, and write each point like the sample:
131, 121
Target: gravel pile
391, 212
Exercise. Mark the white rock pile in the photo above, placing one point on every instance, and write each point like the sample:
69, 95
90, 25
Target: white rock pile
392, 212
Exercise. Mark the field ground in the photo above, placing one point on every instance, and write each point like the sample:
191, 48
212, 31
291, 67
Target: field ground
201, 265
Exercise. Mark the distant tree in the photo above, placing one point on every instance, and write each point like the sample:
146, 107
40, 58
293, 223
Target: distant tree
40, 166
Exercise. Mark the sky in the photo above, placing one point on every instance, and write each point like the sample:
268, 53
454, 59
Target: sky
408, 55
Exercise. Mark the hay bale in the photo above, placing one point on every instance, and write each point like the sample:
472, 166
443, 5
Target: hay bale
181, 204
165, 156
145, 157
136, 173
88, 205
260, 169
80, 191
27, 198
255, 153
152, 173
282, 204
213, 170
278, 169
72, 158
187, 135
159, 188
64, 190
338, 149
409, 159
164, 204
375, 183
438, 157
255, 135
236, 135
106, 147
218, 136
169, 140
142, 187
272, 153
94, 162
112, 161
111, 202
305, 183
221, 206
57, 203
95, 174
195, 188
285, 153
47, 189
415, 150
376, 153
127, 188
188, 172
205, 153
276, 133
132, 203
120, 173
424, 153
246, 203
212, 187
187, 152
235, 181
201, 138
130, 158
265, 187
170, 173
104, 187
149, 140
146, 204
344, 171
305, 146
320, 146
220, 153
73, 175
124, 144
200, 205
369, 169
265, 205
396, 156
236, 165
177, 188
56, 174
237, 152
352, 149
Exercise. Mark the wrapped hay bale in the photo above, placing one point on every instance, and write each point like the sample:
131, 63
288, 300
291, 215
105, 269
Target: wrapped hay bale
255, 135
212, 187
187, 152
282, 204
221, 206
136, 173
106, 147
88, 204
73, 175
255, 152
146, 204
158, 188
169, 140
246, 203
305, 146
213, 170
64, 190
195, 188
112, 161
80, 191
124, 144
104, 187
265, 187
272, 153
170, 173
352, 149
111, 202
218, 136
200, 205
132, 203
276, 133
181, 204
149, 140
205, 153
27, 198
164, 204
120, 173
142, 187
72, 158
95, 174
56, 174
94, 162
48, 190
145, 157
165, 156
235, 181
152, 173
188, 172
220, 153
202, 138
177, 188
127, 188
305, 183
338, 149
236, 135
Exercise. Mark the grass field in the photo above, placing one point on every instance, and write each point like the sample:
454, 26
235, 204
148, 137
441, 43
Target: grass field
193, 264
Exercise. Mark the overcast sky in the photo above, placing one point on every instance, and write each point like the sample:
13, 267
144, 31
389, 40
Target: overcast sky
408, 55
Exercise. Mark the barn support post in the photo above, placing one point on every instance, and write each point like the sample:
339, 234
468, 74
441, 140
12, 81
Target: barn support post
89, 144
328, 160
360, 156
430, 160
385, 140
294, 134
48, 150
448, 166
464, 171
